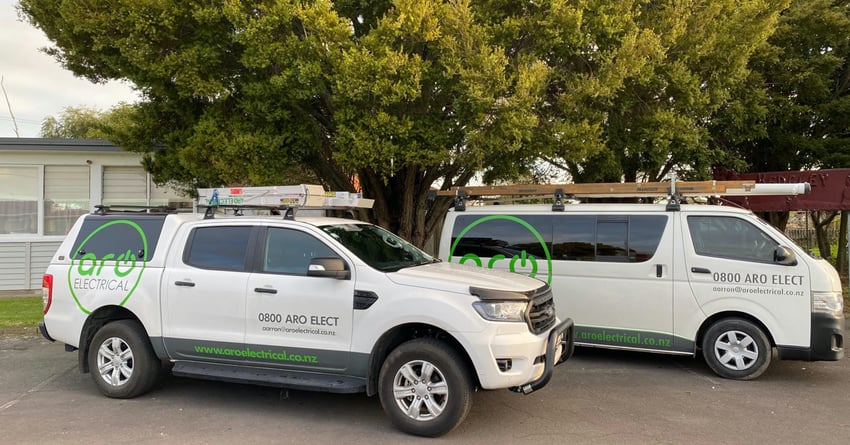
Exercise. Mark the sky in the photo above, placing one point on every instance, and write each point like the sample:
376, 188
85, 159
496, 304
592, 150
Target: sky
36, 84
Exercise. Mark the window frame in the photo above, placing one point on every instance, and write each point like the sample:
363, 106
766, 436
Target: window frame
261, 257
731, 252
249, 253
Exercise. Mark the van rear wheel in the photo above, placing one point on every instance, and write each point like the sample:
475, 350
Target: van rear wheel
736, 349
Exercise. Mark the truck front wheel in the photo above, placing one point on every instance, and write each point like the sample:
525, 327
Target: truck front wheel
425, 388
121, 360
736, 349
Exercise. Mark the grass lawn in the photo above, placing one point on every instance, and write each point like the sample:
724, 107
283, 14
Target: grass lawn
20, 313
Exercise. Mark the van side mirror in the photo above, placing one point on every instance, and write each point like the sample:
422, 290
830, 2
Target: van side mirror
328, 267
784, 256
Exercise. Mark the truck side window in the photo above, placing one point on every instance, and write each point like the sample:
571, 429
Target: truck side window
218, 248
290, 251
729, 237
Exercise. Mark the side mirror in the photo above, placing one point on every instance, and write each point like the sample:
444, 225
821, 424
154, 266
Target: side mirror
328, 267
784, 256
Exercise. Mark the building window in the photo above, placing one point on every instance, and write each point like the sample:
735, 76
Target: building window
132, 186
19, 199
125, 185
66, 197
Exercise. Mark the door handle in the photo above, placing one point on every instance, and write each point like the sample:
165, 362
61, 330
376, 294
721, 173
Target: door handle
265, 290
700, 270
659, 269
184, 283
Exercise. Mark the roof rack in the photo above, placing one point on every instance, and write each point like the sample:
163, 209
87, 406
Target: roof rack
278, 200
105, 209
674, 190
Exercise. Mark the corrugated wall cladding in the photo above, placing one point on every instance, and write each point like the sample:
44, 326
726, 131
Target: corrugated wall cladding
23, 263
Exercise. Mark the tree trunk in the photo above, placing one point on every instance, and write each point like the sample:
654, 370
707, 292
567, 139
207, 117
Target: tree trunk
821, 220
776, 219
841, 256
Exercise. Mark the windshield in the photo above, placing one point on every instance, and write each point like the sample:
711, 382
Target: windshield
377, 247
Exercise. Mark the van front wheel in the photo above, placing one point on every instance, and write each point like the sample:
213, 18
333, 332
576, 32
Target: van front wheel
736, 349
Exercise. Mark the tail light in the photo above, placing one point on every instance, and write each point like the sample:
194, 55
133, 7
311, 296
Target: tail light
46, 291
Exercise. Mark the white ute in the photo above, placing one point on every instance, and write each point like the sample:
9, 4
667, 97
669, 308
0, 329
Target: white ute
314, 303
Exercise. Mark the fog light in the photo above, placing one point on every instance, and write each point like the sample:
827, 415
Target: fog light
504, 364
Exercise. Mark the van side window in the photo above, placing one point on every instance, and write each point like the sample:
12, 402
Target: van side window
575, 238
290, 251
508, 235
730, 237
218, 248
607, 238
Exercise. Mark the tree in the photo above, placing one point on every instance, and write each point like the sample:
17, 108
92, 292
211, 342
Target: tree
797, 112
406, 94
634, 84
237, 92
78, 123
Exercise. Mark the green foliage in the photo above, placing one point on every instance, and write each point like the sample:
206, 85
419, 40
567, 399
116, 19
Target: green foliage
805, 91
404, 94
399, 94
87, 123
633, 85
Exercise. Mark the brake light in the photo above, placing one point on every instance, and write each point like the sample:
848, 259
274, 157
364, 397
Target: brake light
46, 291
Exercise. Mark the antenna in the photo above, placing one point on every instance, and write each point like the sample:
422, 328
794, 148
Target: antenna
14, 122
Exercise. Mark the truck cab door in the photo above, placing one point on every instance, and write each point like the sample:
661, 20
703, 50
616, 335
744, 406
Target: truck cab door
204, 287
297, 319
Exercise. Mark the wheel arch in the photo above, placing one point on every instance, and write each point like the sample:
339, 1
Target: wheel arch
732, 314
402, 333
97, 320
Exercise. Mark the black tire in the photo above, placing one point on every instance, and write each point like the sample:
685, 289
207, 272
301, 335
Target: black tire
436, 406
121, 360
736, 349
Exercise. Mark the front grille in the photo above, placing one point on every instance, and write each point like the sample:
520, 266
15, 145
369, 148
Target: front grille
541, 310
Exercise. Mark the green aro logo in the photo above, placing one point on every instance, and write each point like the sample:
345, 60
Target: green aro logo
115, 273
523, 260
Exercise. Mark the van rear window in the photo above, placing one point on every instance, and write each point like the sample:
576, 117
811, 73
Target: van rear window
110, 237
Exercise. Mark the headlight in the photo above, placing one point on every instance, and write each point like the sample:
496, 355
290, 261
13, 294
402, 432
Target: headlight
827, 303
501, 311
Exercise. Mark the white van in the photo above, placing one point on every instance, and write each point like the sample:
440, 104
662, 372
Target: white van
645, 278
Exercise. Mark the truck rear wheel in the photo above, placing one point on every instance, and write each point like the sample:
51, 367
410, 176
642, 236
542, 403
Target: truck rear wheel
121, 360
425, 388
737, 349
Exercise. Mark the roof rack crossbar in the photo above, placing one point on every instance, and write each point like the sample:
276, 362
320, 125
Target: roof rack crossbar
104, 209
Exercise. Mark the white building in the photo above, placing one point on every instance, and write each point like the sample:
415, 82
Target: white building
45, 184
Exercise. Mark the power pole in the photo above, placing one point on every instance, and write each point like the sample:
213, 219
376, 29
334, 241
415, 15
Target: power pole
14, 122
